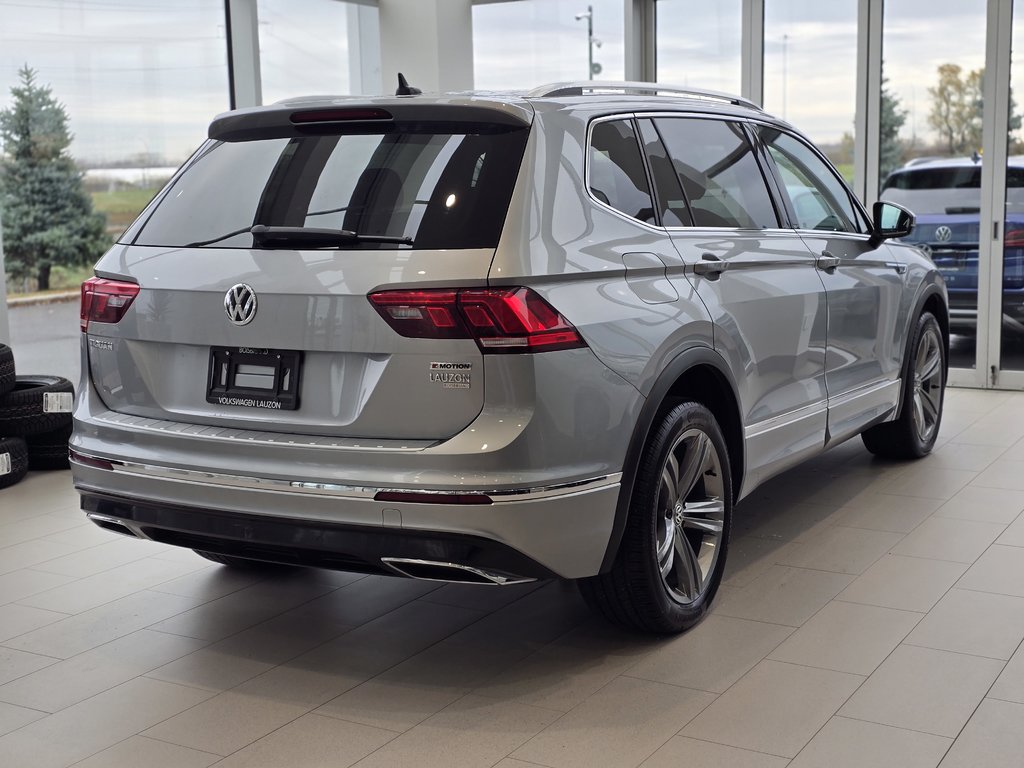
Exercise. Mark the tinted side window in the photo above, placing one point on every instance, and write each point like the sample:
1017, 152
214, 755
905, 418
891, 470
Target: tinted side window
819, 200
667, 189
719, 173
617, 176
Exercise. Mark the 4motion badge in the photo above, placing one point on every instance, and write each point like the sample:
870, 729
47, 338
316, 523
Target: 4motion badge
451, 375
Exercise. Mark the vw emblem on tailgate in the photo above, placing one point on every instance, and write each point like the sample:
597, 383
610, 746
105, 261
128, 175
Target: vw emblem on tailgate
240, 304
943, 234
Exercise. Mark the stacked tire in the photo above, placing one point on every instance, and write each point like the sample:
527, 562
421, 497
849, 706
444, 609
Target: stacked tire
35, 421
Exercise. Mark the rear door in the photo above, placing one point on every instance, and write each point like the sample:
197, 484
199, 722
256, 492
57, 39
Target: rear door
229, 330
864, 281
757, 280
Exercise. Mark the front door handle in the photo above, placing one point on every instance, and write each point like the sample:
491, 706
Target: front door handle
710, 266
827, 262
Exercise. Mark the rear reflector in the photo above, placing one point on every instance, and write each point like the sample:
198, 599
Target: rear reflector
499, 319
421, 497
89, 461
105, 301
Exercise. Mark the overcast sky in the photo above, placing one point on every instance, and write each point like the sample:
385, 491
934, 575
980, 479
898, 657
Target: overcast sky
146, 76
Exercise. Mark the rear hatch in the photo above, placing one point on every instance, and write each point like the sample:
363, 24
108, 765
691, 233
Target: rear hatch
254, 269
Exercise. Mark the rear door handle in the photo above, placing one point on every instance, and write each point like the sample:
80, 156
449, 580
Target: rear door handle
710, 266
827, 262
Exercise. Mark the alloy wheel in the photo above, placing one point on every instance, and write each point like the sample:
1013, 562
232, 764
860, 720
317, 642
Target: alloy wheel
928, 373
691, 515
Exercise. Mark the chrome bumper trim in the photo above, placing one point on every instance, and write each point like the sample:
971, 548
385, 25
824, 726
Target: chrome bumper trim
257, 437
341, 490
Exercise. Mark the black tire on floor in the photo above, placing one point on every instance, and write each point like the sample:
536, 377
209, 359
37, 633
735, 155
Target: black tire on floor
913, 434
49, 450
241, 563
6, 369
672, 554
35, 405
13, 460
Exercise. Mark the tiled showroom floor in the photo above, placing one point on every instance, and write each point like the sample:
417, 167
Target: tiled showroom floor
872, 615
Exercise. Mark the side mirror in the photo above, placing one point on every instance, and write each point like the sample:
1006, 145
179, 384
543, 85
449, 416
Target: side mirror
890, 220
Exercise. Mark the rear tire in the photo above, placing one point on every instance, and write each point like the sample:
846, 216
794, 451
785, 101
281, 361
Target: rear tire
673, 551
913, 434
13, 454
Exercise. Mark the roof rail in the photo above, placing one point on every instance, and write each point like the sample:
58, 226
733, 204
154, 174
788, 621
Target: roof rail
583, 87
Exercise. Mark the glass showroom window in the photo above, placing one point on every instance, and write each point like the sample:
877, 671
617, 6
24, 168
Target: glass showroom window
139, 82
810, 48
1012, 315
529, 43
698, 44
933, 61
304, 48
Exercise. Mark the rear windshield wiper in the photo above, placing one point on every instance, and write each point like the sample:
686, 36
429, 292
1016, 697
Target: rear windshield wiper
315, 237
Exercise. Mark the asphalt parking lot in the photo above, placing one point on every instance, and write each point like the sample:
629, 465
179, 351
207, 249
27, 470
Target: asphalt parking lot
45, 339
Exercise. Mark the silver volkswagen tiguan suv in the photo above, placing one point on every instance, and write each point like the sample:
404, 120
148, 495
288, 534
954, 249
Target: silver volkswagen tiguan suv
493, 338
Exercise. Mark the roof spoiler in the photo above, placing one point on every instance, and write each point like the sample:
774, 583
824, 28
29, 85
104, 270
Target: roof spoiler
283, 120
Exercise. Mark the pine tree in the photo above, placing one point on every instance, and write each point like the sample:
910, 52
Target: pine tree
890, 121
47, 215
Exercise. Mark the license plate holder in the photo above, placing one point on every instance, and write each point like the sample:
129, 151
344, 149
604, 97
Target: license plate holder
249, 377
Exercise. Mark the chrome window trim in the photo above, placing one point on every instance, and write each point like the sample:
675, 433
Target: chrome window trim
586, 173
711, 116
347, 491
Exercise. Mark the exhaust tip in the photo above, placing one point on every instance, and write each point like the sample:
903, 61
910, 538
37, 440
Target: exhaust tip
434, 570
112, 524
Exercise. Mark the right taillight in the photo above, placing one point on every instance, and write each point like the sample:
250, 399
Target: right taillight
498, 319
105, 301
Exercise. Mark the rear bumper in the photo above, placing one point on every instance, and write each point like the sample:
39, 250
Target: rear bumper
359, 548
547, 449
541, 532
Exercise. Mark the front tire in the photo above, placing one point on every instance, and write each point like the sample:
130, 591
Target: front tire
913, 434
672, 555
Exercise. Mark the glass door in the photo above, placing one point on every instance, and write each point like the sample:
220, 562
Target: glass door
930, 147
1007, 279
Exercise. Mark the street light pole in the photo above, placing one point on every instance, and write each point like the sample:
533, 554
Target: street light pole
589, 16
785, 72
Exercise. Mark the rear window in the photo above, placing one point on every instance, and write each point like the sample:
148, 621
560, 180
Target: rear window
948, 191
936, 178
441, 189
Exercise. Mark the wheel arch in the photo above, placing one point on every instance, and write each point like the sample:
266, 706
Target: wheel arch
932, 299
699, 374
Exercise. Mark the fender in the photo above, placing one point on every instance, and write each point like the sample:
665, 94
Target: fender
933, 286
679, 365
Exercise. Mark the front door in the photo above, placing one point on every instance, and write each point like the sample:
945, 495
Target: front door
867, 304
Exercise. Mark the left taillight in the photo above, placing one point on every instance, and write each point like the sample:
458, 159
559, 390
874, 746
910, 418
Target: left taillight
105, 301
498, 319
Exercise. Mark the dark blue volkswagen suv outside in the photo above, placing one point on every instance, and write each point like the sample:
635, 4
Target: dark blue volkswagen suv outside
945, 194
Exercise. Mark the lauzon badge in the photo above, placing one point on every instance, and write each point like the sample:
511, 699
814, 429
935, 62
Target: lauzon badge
451, 375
